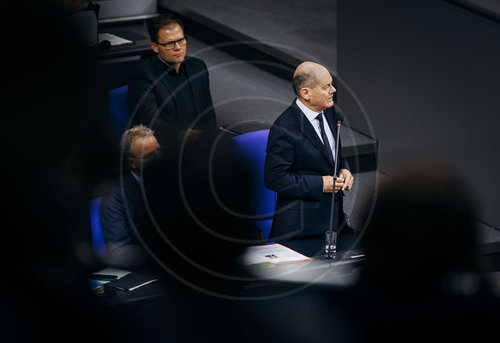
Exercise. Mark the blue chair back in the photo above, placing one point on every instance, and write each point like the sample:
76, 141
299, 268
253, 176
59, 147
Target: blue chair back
250, 149
119, 110
98, 241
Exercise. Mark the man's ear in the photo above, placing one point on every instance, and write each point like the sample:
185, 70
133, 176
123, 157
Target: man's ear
154, 46
304, 93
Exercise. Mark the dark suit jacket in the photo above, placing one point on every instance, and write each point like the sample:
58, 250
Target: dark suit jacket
296, 160
153, 99
121, 215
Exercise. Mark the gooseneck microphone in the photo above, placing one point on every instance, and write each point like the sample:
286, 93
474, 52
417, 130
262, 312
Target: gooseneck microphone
330, 236
339, 116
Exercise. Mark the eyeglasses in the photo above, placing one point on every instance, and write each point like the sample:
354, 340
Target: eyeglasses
171, 45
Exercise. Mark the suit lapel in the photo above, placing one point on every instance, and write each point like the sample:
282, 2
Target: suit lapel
330, 118
309, 132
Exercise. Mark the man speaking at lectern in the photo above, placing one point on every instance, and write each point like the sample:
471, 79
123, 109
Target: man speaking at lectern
300, 162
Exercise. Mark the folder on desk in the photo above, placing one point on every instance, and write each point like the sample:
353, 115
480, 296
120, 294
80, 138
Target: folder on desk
108, 274
114, 40
131, 281
272, 253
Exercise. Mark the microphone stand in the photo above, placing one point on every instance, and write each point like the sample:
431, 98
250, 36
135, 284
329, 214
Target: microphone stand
330, 235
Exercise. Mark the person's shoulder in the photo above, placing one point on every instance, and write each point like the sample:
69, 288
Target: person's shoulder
286, 123
110, 194
194, 62
146, 66
113, 190
288, 116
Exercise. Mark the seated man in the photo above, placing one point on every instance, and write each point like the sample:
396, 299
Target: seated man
122, 208
170, 91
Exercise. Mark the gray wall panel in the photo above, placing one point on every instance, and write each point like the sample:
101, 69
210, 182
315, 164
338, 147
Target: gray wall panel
426, 73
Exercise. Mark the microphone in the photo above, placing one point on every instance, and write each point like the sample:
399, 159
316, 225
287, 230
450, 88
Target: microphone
330, 235
339, 115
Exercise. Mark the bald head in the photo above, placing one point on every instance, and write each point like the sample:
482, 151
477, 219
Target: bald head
306, 75
310, 81
309, 68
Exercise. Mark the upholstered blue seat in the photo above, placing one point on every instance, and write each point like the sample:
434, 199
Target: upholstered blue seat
98, 241
119, 111
250, 149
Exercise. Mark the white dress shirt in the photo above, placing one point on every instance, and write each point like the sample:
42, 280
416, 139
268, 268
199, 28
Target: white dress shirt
311, 115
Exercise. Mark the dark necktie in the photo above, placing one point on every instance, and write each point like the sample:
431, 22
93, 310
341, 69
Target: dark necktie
324, 137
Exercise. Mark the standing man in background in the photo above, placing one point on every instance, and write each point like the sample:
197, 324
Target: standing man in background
300, 161
170, 91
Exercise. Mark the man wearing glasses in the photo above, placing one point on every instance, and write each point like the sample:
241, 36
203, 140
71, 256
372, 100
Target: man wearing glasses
170, 91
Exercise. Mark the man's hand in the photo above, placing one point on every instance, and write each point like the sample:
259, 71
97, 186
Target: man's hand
344, 181
347, 178
328, 184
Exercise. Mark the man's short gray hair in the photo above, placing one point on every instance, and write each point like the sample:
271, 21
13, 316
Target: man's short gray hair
129, 136
303, 79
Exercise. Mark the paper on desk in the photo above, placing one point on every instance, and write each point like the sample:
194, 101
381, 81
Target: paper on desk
114, 40
112, 271
273, 253
132, 281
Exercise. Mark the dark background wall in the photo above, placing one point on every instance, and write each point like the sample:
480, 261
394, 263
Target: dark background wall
422, 78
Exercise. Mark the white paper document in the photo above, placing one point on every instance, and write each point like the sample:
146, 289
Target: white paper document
272, 253
118, 273
114, 40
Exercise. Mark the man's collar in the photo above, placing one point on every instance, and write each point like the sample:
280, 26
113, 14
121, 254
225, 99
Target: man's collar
310, 114
171, 68
137, 178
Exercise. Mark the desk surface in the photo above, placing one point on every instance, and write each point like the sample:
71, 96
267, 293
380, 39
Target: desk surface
264, 280
318, 271
135, 32
142, 294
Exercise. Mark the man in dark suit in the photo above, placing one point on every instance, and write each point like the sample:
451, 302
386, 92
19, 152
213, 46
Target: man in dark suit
300, 161
123, 212
170, 91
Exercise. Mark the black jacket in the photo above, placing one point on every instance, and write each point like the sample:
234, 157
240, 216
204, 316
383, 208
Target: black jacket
296, 160
153, 97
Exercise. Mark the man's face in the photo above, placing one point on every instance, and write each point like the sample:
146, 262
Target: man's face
321, 94
168, 34
143, 150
